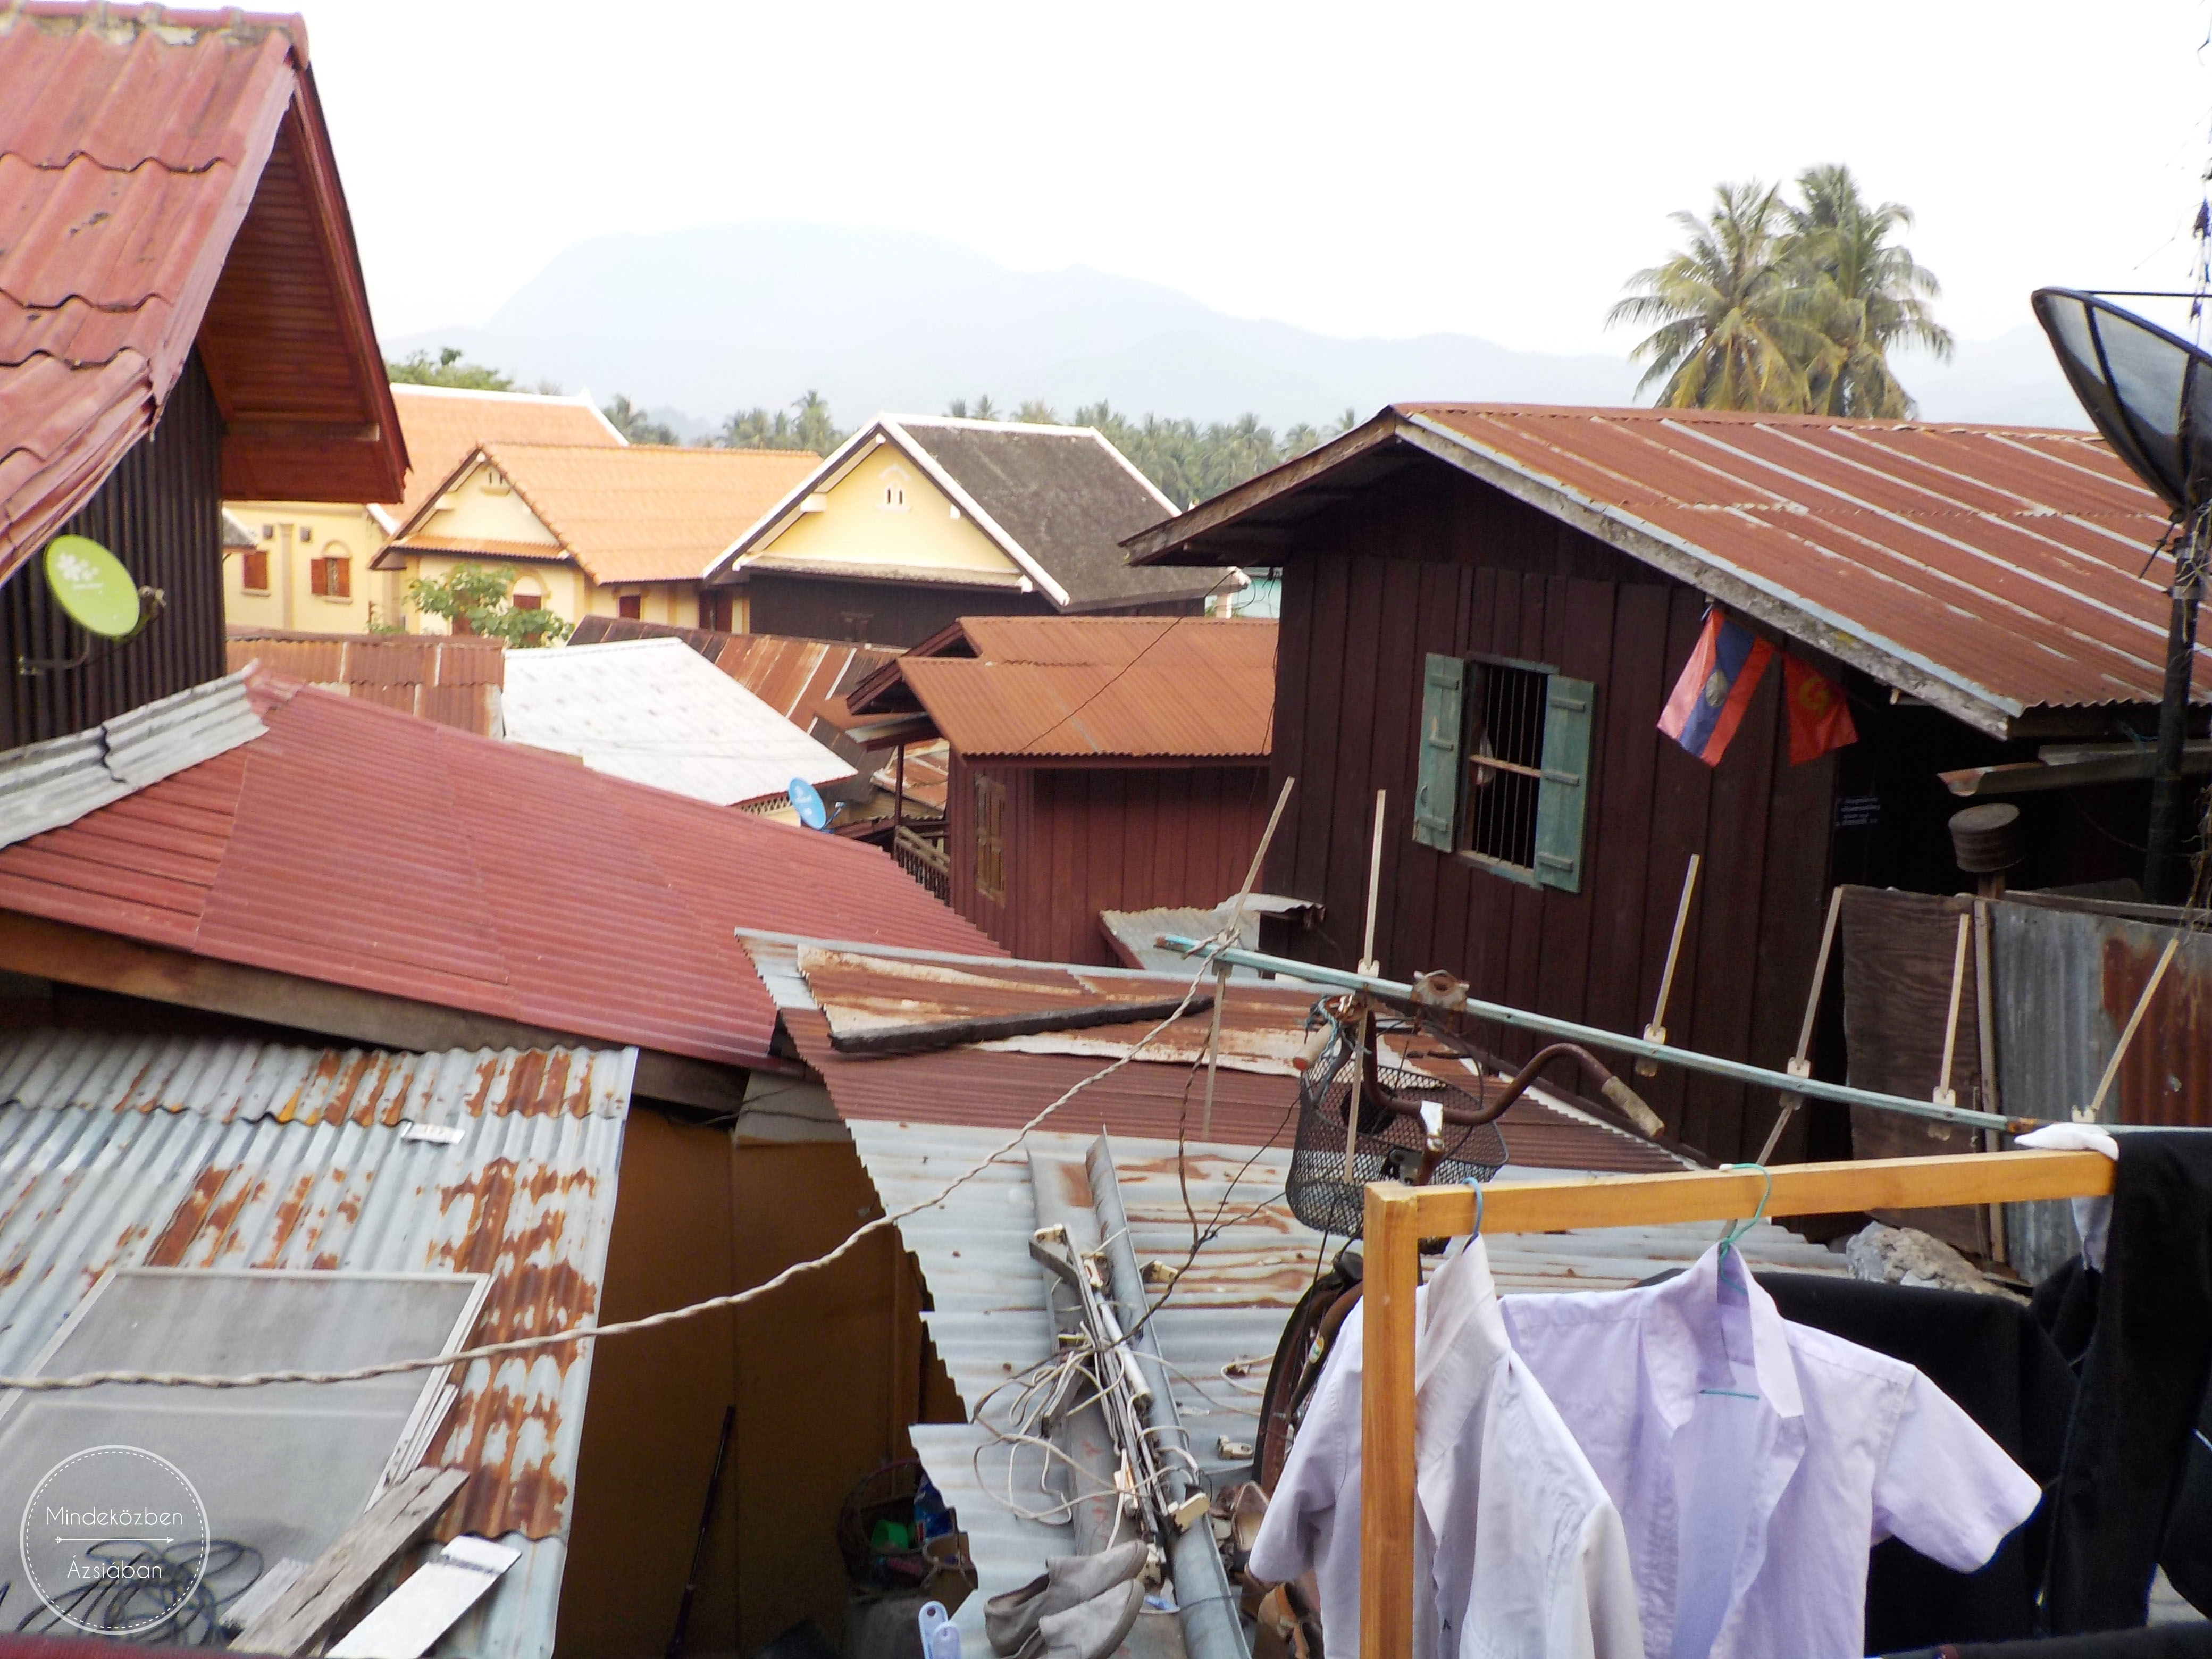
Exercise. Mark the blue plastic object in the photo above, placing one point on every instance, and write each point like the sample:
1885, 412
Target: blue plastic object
941, 1636
812, 813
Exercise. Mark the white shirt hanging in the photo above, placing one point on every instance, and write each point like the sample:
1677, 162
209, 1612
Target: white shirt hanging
1518, 1553
1755, 1462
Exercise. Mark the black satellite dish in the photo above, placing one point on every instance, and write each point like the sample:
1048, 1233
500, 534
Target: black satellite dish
2150, 393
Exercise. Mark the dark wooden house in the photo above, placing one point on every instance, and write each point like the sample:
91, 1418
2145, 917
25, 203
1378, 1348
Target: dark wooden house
1097, 763
182, 319
1495, 604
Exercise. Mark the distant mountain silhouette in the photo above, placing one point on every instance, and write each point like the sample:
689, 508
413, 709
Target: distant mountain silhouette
693, 324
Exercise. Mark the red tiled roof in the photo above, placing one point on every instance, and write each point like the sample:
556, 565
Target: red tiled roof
1080, 686
362, 847
165, 182
1990, 569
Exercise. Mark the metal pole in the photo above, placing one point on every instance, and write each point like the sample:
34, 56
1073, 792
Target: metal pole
1204, 1604
1594, 1038
2166, 870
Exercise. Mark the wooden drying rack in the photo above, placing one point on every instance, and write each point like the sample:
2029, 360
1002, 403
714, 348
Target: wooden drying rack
1399, 1217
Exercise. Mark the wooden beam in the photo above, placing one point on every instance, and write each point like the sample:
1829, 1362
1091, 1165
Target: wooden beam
927, 1036
1392, 1275
1153, 546
318, 1599
1881, 1183
106, 962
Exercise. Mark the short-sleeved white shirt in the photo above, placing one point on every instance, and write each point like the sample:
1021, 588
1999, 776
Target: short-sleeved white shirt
1518, 1553
1754, 1463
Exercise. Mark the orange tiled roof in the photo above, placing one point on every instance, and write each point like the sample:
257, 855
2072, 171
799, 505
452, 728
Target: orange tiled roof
444, 426
644, 513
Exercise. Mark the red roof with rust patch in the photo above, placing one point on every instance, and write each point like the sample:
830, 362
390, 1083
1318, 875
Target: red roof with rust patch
165, 182
363, 847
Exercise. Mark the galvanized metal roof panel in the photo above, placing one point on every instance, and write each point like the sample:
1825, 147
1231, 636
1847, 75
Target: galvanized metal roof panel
657, 713
119, 1151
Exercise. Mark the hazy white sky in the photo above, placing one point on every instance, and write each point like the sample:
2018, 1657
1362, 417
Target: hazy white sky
1487, 168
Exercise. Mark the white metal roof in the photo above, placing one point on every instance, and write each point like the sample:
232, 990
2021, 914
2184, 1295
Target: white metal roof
656, 712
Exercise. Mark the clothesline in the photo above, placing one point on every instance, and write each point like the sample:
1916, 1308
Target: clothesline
1399, 1217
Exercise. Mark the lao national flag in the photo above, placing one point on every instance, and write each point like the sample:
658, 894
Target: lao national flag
1819, 718
1715, 688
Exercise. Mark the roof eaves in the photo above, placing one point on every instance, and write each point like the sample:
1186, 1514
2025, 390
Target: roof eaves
1757, 596
1152, 545
989, 526
534, 500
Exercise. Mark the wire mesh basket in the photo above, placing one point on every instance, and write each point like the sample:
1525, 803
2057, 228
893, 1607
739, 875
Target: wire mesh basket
1390, 1143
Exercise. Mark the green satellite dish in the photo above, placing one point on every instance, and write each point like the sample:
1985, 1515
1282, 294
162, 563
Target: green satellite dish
90, 583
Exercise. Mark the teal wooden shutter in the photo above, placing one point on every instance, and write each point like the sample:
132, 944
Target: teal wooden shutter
1435, 800
1560, 798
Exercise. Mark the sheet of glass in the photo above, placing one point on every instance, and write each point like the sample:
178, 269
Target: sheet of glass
282, 1469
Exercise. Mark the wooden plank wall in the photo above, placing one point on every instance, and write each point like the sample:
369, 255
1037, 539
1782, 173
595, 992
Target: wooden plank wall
1425, 560
1080, 840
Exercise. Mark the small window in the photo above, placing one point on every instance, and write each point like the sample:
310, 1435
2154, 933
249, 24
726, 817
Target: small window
330, 579
856, 625
493, 483
630, 605
254, 570
268, 533
991, 839
714, 609
306, 534
530, 602
894, 481
1504, 767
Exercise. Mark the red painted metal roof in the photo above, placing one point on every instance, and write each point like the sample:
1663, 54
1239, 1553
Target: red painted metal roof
1141, 686
1992, 569
2014, 558
137, 151
363, 847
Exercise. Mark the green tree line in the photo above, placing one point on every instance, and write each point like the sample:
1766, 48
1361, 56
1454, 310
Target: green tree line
1786, 306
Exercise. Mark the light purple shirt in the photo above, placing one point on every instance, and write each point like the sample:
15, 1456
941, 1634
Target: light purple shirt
1755, 1462
1518, 1553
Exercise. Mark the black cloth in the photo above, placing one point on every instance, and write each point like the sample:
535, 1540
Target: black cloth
2165, 1642
1991, 1356
2127, 1469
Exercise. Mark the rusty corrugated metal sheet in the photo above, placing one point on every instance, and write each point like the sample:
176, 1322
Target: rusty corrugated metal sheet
199, 1153
133, 148
456, 682
1002, 1085
2010, 561
288, 852
1134, 686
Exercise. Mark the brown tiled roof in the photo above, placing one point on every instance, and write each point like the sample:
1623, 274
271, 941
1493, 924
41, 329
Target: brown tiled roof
455, 681
167, 184
445, 426
1081, 686
642, 512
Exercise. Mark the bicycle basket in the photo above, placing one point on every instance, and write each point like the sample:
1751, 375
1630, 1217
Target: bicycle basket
1389, 1145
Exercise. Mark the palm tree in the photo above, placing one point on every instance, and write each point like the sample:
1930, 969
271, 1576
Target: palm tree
1864, 292
1731, 333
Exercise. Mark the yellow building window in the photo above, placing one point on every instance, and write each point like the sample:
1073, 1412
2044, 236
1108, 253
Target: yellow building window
330, 579
254, 570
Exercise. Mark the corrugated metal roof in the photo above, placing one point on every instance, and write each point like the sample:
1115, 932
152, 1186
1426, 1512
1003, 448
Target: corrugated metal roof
1001, 1084
202, 1152
1137, 686
454, 680
655, 711
44, 784
638, 513
132, 149
360, 847
988, 1320
1992, 569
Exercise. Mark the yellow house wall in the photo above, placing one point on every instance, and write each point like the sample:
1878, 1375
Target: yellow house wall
855, 527
564, 589
480, 509
293, 533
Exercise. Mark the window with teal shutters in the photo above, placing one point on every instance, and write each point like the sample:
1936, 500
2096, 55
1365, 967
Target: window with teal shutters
1436, 795
1561, 793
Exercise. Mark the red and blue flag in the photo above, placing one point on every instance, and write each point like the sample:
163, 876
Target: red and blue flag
1715, 688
